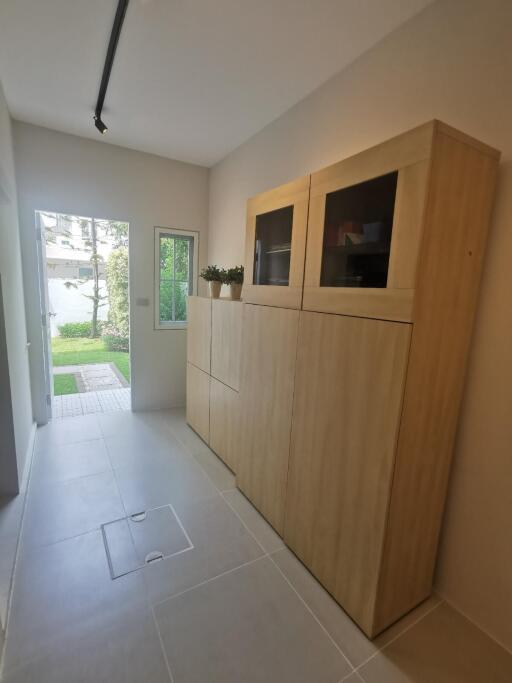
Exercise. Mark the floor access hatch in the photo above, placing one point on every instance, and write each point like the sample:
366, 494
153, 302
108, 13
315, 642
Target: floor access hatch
137, 540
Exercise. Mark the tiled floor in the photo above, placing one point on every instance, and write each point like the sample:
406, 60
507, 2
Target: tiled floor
109, 400
237, 607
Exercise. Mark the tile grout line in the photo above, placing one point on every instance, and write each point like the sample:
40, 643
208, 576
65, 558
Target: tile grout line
212, 578
269, 555
162, 646
398, 635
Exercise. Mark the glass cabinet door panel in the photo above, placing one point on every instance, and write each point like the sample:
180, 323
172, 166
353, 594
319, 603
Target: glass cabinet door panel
357, 234
272, 247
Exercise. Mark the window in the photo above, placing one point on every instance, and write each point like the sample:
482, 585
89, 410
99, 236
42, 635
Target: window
84, 273
175, 275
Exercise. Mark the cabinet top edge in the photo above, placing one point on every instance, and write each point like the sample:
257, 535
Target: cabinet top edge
466, 139
220, 298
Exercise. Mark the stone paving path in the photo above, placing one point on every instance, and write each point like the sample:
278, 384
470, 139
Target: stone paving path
105, 401
94, 377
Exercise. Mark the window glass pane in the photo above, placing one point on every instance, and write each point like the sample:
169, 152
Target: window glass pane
166, 257
166, 300
176, 277
182, 247
181, 291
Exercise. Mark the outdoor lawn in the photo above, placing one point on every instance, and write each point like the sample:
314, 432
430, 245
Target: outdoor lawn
82, 350
64, 384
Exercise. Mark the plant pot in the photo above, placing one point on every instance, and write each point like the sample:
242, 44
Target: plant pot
214, 287
235, 289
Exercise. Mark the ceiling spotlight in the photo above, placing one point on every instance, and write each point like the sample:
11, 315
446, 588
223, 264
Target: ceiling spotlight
122, 6
100, 125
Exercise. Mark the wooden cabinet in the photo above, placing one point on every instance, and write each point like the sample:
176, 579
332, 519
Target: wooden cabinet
267, 380
199, 332
348, 396
213, 373
224, 422
371, 390
226, 341
198, 401
275, 245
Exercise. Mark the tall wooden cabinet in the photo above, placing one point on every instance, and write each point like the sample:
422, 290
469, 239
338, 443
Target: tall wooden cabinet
349, 403
267, 380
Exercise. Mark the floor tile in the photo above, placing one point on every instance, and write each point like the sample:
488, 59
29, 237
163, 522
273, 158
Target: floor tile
138, 447
222, 477
62, 586
148, 485
70, 461
248, 626
444, 647
66, 509
68, 430
220, 542
340, 626
130, 652
261, 529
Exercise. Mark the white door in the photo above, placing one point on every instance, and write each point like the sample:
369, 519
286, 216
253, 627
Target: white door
45, 314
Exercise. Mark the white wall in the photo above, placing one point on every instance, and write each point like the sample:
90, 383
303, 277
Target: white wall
452, 62
16, 430
73, 175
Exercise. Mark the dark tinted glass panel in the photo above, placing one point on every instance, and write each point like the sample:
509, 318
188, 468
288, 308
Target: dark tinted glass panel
273, 247
357, 234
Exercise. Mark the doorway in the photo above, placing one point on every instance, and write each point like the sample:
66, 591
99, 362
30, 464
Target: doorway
85, 313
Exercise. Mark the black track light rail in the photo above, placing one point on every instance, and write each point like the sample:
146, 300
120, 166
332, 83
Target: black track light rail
122, 6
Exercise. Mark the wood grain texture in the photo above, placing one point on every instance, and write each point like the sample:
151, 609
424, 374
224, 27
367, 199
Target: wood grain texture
224, 422
366, 302
295, 193
198, 401
410, 199
458, 211
199, 332
348, 395
226, 341
266, 393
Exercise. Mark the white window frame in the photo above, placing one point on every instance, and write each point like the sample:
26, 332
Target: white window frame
173, 232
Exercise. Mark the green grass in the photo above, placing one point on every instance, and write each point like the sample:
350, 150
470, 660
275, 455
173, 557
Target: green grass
82, 351
64, 384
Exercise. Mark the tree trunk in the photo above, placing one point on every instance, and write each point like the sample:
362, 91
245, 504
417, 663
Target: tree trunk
96, 280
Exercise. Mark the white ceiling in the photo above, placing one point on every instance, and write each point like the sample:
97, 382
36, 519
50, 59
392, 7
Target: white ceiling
192, 79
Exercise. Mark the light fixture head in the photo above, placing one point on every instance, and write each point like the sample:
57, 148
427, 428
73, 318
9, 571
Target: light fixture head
100, 125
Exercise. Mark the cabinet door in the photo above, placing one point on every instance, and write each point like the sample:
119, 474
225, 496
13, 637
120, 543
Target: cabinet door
224, 422
199, 332
275, 245
198, 401
364, 230
226, 341
348, 396
266, 393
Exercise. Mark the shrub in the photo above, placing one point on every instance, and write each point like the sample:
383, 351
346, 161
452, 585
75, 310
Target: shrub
73, 330
115, 340
117, 287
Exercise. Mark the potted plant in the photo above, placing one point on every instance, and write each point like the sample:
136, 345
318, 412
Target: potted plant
234, 278
215, 277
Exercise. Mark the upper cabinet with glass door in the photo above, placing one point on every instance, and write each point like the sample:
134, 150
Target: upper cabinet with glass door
275, 245
364, 229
